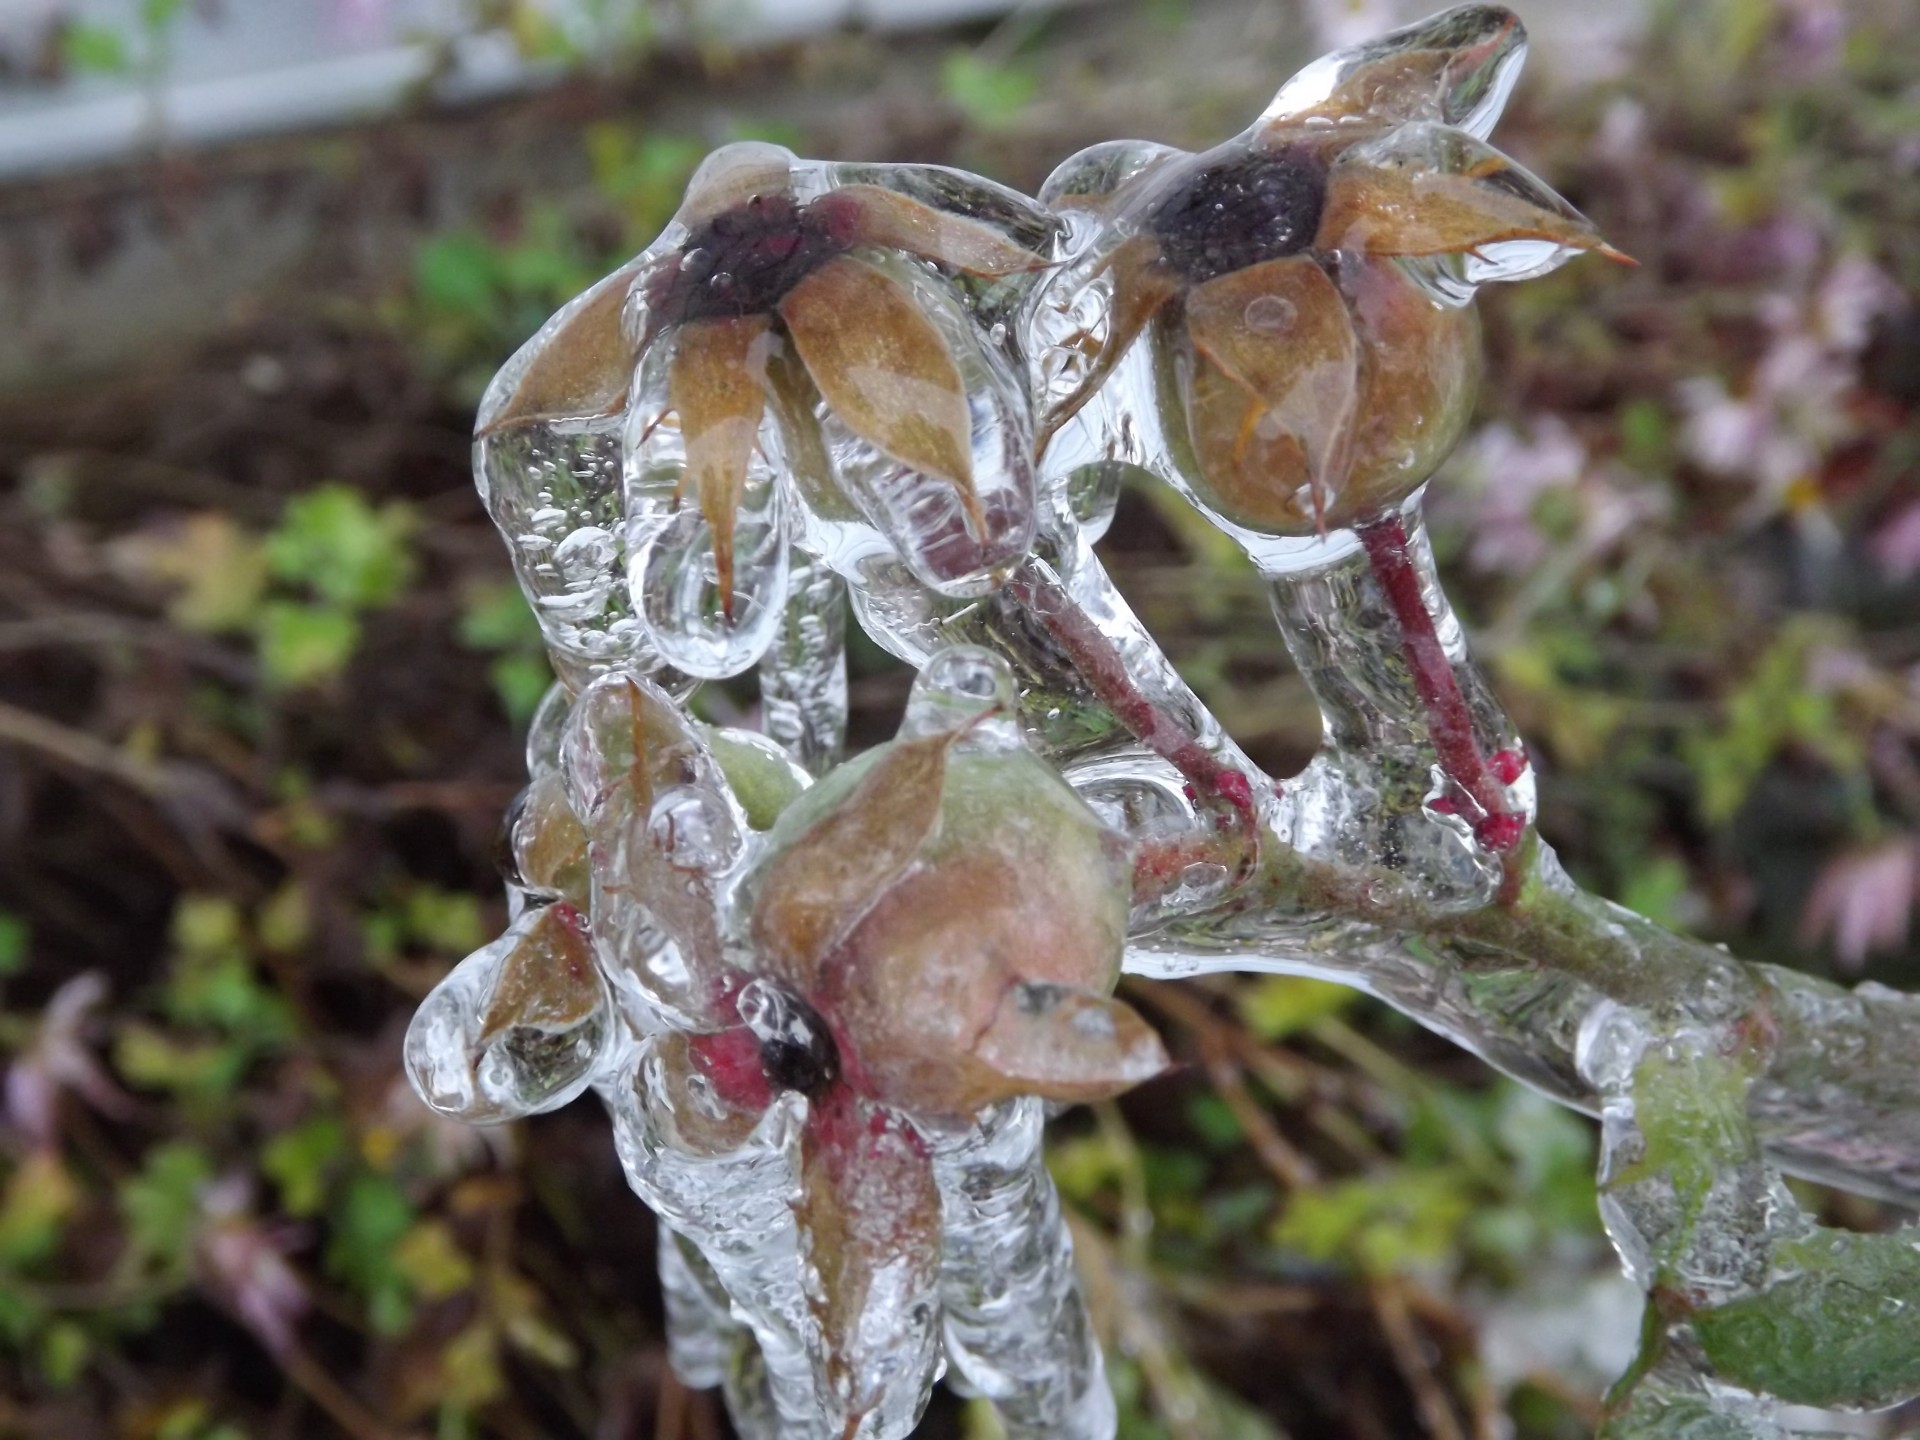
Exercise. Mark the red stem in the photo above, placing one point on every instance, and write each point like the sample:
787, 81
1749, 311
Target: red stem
1449, 721
1105, 673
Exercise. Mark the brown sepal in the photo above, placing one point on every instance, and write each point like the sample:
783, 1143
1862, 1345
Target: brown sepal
825, 881
885, 370
547, 980
717, 386
1404, 211
1068, 1045
1276, 377
869, 1215
583, 368
1410, 84
875, 215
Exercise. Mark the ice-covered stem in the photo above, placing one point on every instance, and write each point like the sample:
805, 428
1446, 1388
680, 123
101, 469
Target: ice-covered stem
1363, 878
1838, 1099
1449, 721
1107, 674
1367, 876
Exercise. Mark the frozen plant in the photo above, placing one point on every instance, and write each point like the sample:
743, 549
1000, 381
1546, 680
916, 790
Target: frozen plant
825, 1002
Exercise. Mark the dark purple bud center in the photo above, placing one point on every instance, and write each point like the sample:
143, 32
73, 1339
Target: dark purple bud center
797, 1051
743, 262
1240, 210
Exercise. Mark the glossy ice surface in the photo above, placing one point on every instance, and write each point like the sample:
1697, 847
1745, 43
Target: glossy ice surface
825, 1001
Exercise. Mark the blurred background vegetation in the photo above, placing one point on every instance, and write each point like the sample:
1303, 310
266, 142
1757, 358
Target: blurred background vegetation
263, 672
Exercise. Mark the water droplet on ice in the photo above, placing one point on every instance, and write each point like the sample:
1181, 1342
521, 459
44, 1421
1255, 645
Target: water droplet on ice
693, 829
958, 685
1268, 314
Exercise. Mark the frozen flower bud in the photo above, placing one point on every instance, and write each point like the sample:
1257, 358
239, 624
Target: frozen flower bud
809, 354
957, 914
1292, 307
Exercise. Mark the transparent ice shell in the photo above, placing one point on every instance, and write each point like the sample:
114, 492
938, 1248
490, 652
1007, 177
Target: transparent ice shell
674, 567
516, 1028
552, 486
663, 830
803, 675
1016, 1324
1458, 67
582, 459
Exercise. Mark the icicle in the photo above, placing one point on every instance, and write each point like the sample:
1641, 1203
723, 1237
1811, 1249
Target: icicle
803, 676
1016, 1324
724, 1179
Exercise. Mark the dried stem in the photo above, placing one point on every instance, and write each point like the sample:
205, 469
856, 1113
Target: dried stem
1409, 1353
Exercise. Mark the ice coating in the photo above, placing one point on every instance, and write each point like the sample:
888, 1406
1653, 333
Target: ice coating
1016, 1325
517, 1027
803, 675
806, 1174
825, 1000
1458, 66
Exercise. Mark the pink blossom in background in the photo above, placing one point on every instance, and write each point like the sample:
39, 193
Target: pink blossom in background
359, 22
1510, 472
1896, 544
1906, 149
1812, 35
1855, 294
1621, 136
1863, 901
58, 1058
1832, 669
1795, 407
244, 1261
1501, 476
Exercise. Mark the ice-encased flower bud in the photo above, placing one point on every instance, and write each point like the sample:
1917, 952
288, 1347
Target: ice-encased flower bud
958, 914
1278, 326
